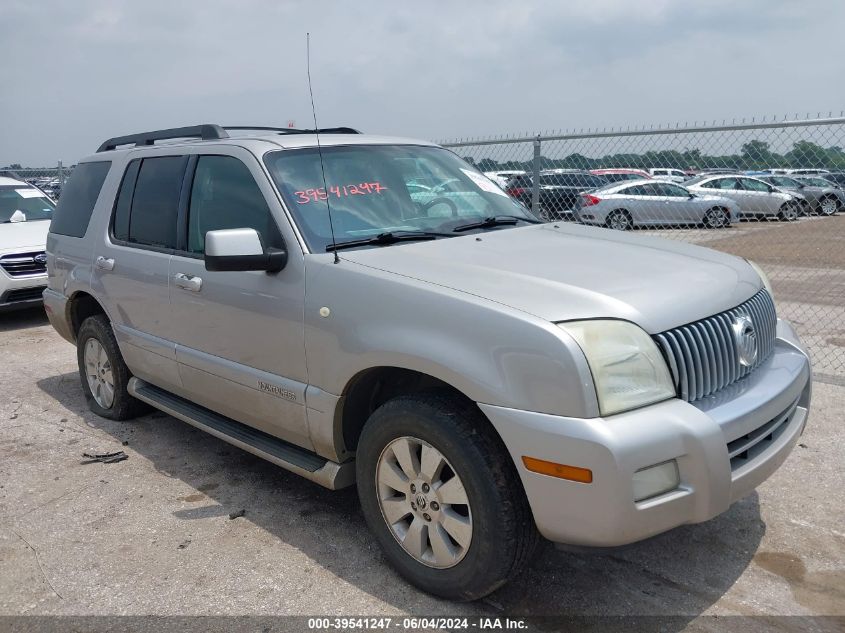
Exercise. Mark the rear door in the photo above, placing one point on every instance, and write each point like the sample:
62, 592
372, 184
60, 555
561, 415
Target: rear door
131, 266
240, 335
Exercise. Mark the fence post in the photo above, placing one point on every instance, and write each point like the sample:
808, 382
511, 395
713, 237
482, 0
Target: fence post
535, 190
59, 173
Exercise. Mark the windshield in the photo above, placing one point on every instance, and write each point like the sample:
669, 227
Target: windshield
23, 203
375, 189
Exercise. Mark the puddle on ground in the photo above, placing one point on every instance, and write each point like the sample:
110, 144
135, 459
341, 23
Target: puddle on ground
822, 592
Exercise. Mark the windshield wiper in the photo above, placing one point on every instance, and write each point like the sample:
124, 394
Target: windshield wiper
495, 220
386, 239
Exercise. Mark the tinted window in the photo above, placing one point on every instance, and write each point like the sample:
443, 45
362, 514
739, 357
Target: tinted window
754, 185
155, 203
225, 196
725, 183
637, 190
120, 224
79, 196
673, 191
22, 203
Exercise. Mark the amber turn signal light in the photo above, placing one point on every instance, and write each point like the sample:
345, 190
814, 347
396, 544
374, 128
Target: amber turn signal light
561, 471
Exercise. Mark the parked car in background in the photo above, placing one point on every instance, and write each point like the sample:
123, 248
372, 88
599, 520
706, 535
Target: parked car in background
621, 174
559, 191
836, 177
501, 177
817, 194
756, 198
623, 206
25, 214
672, 175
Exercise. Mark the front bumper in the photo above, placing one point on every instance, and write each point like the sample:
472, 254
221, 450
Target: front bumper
725, 446
21, 292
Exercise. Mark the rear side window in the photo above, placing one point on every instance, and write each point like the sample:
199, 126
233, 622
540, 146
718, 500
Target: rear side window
224, 195
79, 196
148, 203
120, 226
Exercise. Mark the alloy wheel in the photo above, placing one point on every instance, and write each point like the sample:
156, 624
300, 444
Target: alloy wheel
98, 371
423, 502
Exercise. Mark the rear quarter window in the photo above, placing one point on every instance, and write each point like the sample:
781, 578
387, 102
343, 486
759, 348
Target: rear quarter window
79, 196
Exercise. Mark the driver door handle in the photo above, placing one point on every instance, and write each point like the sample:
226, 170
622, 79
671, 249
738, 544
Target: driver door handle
188, 282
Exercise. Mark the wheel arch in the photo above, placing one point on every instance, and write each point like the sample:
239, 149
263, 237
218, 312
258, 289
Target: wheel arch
370, 388
80, 306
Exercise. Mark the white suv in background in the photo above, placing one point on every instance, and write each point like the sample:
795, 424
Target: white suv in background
670, 175
25, 214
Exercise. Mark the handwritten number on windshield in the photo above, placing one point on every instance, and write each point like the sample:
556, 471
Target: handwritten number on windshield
338, 191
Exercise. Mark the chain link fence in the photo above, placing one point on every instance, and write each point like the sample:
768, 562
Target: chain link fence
771, 191
49, 179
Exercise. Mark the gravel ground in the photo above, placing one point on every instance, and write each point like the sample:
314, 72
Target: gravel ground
152, 534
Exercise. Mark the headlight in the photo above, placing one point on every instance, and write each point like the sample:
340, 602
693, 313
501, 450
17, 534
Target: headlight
763, 277
628, 369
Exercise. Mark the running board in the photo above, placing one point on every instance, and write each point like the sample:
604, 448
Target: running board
290, 457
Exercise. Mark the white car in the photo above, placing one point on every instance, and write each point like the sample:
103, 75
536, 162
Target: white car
25, 214
501, 177
671, 175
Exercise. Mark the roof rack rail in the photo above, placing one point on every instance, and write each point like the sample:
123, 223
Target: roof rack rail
293, 130
206, 132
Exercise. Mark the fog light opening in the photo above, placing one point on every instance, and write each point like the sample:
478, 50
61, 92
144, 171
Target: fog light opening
656, 480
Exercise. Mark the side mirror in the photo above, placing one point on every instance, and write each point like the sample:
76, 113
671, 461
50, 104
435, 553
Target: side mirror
801, 186
691, 195
241, 249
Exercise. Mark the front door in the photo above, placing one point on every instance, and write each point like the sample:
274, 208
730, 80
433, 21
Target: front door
240, 335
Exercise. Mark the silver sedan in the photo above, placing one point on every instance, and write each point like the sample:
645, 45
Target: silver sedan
653, 203
754, 197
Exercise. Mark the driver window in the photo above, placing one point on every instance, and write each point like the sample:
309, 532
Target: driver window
224, 195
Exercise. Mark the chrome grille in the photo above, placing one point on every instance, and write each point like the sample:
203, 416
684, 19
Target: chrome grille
703, 356
23, 264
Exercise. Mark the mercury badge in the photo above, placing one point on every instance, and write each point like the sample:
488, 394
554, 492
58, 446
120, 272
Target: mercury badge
745, 338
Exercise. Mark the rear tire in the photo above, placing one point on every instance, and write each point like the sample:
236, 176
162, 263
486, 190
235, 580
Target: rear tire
480, 531
103, 373
789, 212
716, 218
619, 220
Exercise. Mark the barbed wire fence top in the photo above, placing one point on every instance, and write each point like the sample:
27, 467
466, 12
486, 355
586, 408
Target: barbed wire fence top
766, 190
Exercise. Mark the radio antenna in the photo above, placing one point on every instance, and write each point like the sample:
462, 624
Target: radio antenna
319, 147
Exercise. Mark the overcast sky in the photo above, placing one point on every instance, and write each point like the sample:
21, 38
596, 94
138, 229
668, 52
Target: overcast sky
75, 73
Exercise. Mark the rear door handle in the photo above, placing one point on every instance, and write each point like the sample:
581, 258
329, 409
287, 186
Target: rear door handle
188, 282
105, 263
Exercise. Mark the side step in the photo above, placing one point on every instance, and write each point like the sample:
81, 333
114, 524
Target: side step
290, 457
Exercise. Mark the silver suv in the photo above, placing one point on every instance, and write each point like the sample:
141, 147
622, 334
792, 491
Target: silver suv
483, 378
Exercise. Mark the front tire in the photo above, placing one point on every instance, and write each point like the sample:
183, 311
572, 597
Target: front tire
789, 212
442, 496
104, 374
716, 218
828, 206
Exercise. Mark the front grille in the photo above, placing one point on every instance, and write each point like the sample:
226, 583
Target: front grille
23, 294
24, 264
703, 356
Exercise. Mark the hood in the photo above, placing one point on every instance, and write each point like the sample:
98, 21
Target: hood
577, 272
20, 237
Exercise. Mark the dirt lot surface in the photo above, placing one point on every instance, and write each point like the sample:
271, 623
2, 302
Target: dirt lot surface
152, 534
